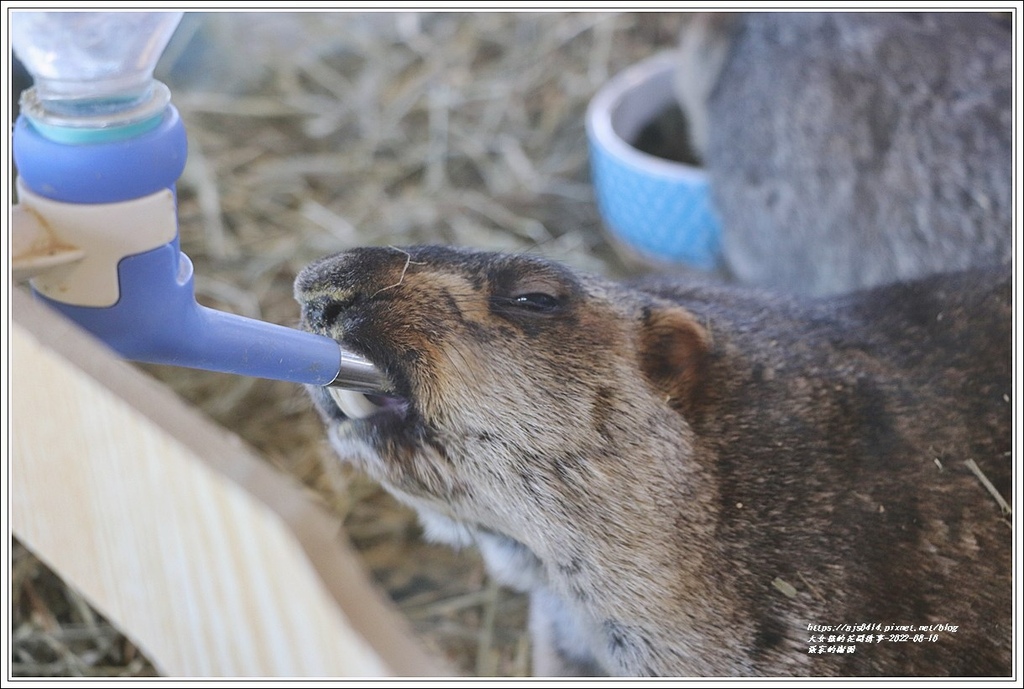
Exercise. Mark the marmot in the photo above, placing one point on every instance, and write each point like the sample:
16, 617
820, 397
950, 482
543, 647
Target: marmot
850, 149
693, 479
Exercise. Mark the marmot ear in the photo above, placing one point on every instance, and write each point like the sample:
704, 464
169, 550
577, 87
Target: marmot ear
673, 349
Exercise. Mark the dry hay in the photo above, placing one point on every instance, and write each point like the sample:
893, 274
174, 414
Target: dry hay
382, 129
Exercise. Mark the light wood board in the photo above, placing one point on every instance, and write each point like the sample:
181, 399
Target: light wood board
210, 560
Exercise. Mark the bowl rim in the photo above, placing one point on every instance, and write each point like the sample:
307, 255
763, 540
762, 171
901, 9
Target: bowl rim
609, 99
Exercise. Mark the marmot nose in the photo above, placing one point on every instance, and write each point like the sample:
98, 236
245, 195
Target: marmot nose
323, 312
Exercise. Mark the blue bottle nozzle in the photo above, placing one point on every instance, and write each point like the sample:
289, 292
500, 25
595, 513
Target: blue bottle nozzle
112, 197
157, 320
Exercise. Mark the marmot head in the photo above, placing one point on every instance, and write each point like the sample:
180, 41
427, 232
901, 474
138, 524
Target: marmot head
518, 387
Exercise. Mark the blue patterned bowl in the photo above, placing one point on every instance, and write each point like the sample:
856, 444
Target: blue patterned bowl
659, 207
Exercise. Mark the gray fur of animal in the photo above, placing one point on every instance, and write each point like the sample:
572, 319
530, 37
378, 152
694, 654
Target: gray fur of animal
847, 150
656, 464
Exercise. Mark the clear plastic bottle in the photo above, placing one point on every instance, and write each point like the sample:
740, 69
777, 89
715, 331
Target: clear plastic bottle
92, 69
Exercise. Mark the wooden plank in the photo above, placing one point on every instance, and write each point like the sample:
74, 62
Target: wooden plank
210, 560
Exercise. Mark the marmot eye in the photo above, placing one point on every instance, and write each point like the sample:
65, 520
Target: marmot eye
538, 302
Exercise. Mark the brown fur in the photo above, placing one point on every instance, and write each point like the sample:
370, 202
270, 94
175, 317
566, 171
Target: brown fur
655, 462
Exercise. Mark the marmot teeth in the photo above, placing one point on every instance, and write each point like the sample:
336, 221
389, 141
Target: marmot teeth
354, 405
